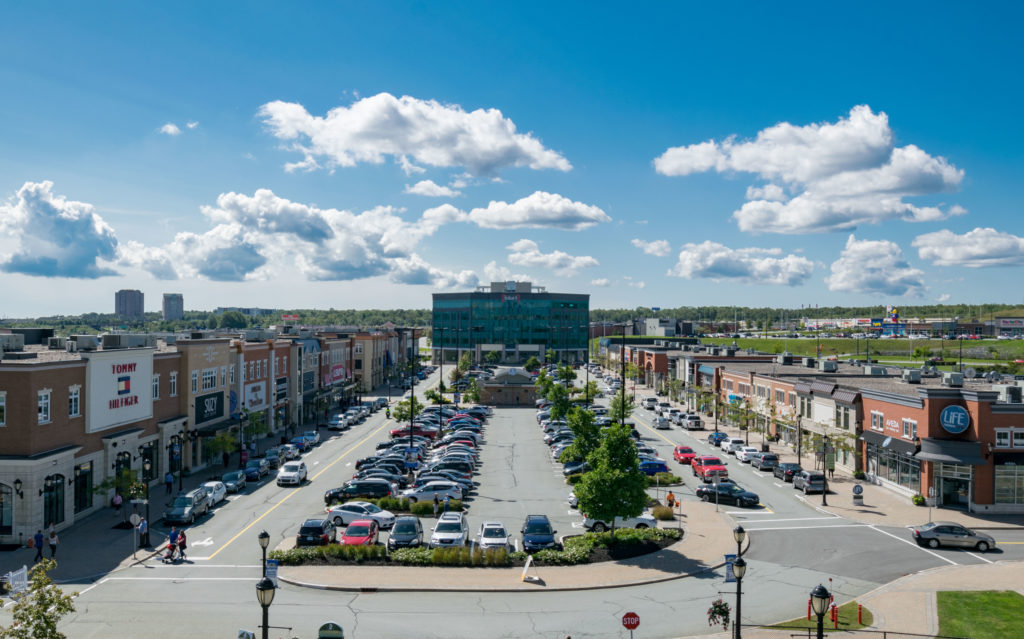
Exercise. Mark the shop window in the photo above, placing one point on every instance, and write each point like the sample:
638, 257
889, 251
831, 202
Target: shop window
43, 406
83, 487
1009, 484
3, 408
1002, 438
75, 401
1018, 439
53, 500
6, 510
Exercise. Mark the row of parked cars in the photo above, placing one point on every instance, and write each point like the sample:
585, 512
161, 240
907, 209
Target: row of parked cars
666, 415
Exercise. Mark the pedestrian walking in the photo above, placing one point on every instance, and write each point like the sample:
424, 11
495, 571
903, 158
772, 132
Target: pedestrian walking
226, 457
181, 543
447, 499
37, 541
670, 499
143, 533
436, 504
52, 541
169, 482
117, 501
831, 473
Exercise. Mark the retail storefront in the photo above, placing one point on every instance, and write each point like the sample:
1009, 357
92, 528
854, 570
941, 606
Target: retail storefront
891, 461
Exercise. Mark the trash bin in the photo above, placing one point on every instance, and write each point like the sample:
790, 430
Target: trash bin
765, 448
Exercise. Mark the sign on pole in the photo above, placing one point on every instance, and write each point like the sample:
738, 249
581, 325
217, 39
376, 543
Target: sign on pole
730, 576
630, 621
245, 634
272, 571
330, 630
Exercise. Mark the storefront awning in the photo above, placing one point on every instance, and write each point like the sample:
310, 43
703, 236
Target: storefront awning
949, 451
704, 369
888, 443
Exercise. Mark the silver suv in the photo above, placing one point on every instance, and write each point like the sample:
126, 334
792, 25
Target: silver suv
451, 530
809, 481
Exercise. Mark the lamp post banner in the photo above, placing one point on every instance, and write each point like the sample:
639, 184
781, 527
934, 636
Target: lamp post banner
272, 571
730, 576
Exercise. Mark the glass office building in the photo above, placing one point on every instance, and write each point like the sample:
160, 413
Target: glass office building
516, 319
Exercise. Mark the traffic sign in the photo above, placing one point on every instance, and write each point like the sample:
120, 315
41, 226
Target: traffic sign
245, 634
630, 620
135, 519
330, 630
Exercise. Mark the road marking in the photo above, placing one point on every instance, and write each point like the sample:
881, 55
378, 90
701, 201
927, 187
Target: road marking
161, 564
205, 542
988, 561
291, 494
179, 579
907, 541
807, 527
779, 485
775, 521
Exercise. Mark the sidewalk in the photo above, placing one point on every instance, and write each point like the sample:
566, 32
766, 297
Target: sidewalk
707, 538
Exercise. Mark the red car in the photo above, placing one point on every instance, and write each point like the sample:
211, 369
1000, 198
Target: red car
706, 465
361, 532
404, 432
684, 455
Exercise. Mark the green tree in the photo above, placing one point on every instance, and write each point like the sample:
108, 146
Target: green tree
233, 319
614, 487
532, 364
472, 394
632, 372
566, 374
222, 442
125, 484
254, 424
587, 432
407, 409
550, 356
436, 397
543, 384
493, 357
617, 411
465, 362
455, 375
590, 391
559, 396
211, 321
38, 610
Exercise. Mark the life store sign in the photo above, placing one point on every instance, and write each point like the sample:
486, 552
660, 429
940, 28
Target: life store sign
955, 419
119, 387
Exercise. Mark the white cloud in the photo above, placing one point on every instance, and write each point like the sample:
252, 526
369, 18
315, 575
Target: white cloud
259, 236
429, 188
640, 285
411, 131
840, 174
601, 282
875, 267
170, 129
54, 236
192, 124
975, 249
751, 265
660, 248
539, 210
527, 253
495, 273
943, 298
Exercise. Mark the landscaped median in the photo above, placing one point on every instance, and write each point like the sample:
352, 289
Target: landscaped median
400, 505
586, 548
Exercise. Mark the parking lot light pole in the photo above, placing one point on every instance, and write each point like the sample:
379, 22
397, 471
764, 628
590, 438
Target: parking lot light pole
265, 595
739, 569
264, 538
820, 599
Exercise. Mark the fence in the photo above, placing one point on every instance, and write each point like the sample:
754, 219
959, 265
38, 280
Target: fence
16, 581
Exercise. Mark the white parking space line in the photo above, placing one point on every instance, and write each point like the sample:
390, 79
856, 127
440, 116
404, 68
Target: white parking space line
779, 485
914, 544
987, 561
807, 527
775, 521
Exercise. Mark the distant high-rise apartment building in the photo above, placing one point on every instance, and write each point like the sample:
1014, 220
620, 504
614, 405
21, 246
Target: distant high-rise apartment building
129, 304
174, 307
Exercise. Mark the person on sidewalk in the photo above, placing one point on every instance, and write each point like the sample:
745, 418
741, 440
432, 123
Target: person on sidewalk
169, 482
52, 541
181, 544
226, 458
172, 538
116, 503
143, 533
37, 540
436, 504
447, 501
670, 499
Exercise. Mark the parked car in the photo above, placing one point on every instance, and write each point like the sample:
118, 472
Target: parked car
662, 423
728, 493
188, 507
300, 442
732, 444
255, 469
786, 470
716, 438
370, 487
809, 481
653, 467
407, 532
234, 481
644, 520
683, 454
216, 492
492, 534
362, 532
707, 466
451, 530
691, 421
313, 437
348, 512
273, 457
765, 461
747, 453
338, 422
439, 489
575, 466
293, 473
381, 402
945, 533
316, 532
538, 534
289, 451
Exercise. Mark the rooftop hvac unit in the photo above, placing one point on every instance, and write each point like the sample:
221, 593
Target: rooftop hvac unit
12, 342
874, 370
71, 346
784, 358
953, 380
1009, 393
86, 342
56, 343
808, 362
911, 376
828, 365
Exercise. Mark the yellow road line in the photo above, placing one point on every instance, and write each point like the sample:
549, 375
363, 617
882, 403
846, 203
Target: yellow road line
295, 492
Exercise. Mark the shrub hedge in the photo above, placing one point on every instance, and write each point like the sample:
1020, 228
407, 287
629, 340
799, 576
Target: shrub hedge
663, 513
403, 505
426, 508
574, 479
304, 554
664, 479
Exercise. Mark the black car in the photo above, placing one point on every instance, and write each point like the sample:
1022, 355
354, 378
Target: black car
407, 532
786, 471
538, 533
764, 461
367, 461
728, 494
573, 467
370, 488
316, 532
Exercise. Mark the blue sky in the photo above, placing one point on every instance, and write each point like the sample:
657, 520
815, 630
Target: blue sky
365, 155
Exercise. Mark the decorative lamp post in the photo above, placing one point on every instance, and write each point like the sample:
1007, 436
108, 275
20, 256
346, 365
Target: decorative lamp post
820, 600
824, 469
264, 538
739, 535
739, 568
147, 466
265, 595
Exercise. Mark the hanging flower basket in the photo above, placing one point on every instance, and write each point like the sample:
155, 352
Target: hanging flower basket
719, 613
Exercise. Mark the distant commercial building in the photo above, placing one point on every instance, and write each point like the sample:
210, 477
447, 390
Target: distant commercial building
174, 307
129, 304
515, 319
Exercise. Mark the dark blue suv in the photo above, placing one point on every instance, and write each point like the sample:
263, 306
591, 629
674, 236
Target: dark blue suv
538, 534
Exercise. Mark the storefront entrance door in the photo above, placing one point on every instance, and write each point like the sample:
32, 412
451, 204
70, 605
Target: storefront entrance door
954, 492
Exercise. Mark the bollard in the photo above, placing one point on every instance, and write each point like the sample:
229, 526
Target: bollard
860, 610
835, 616
808, 610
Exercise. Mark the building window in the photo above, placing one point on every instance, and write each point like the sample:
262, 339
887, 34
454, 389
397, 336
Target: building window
1018, 439
6, 509
174, 384
1002, 438
877, 421
792, 400
3, 408
195, 382
74, 401
223, 375
156, 387
266, 368
53, 500
44, 406
1009, 484
231, 374
285, 362
252, 371
209, 378
83, 487
780, 397
359, 348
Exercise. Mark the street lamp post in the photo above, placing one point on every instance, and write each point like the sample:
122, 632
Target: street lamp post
265, 595
739, 535
820, 599
739, 569
264, 539
824, 470
622, 390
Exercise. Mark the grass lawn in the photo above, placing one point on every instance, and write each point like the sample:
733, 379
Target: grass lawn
847, 620
985, 614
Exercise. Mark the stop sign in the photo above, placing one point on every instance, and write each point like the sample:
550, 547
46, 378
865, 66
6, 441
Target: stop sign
630, 620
